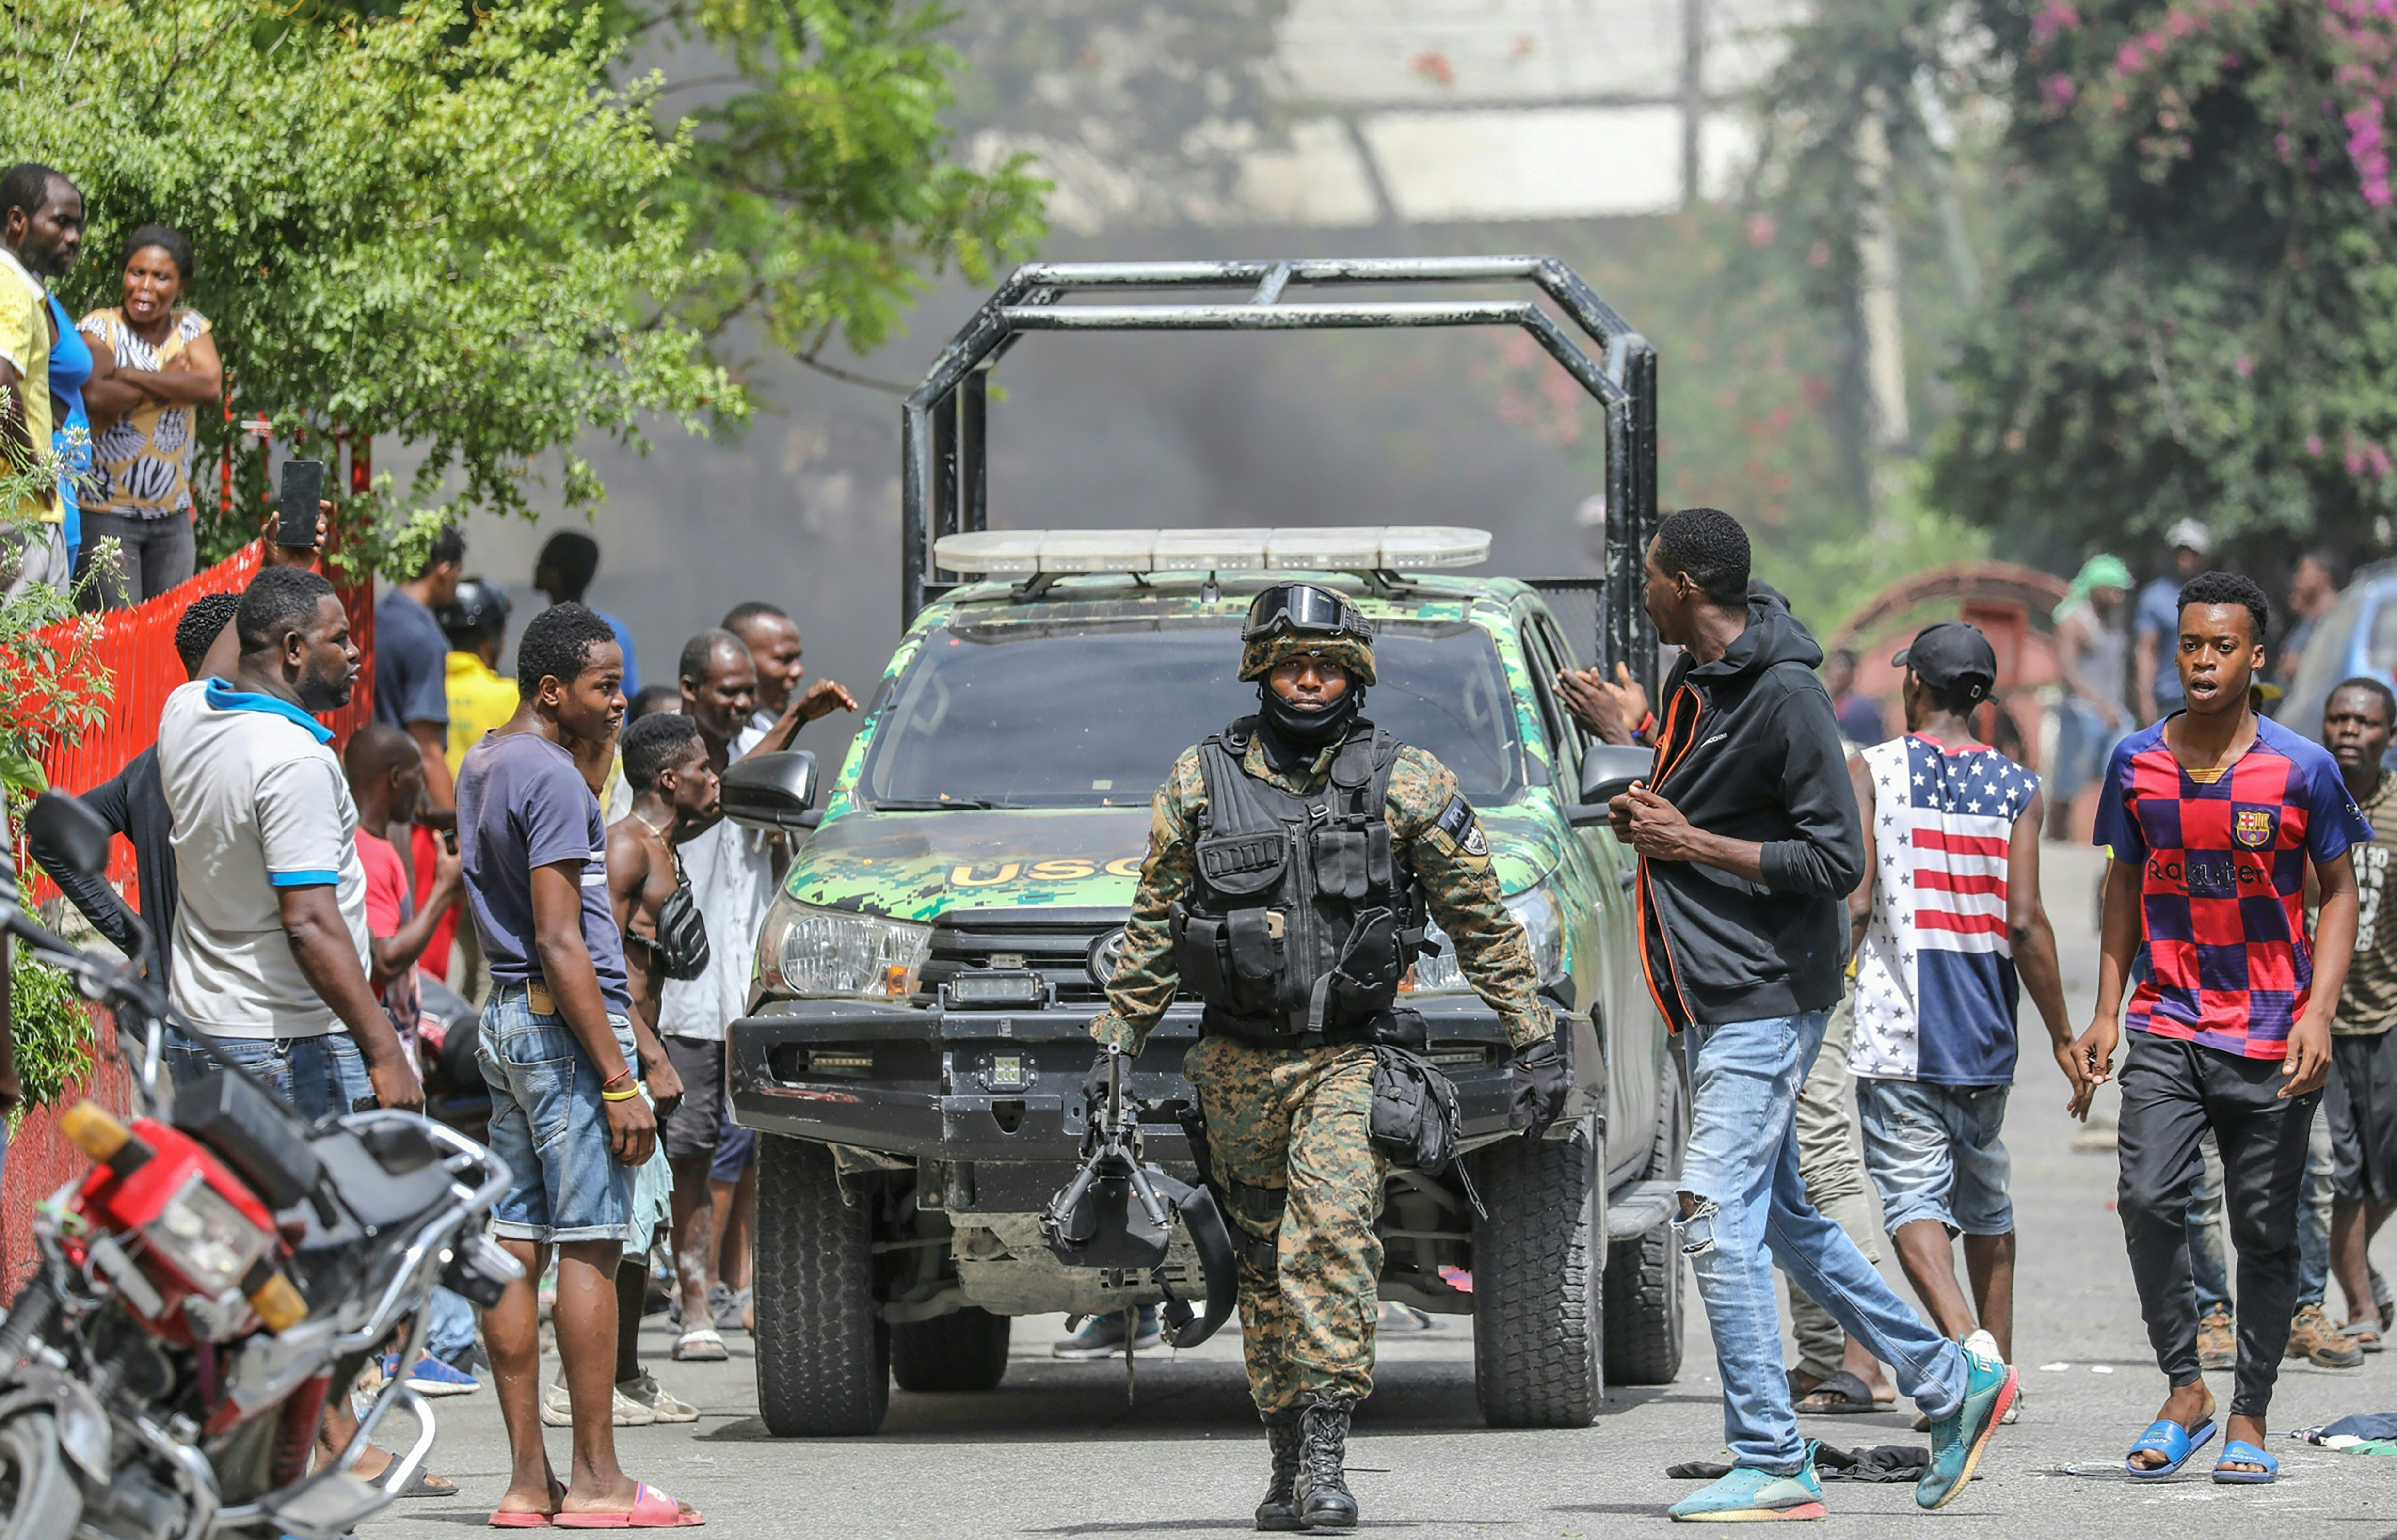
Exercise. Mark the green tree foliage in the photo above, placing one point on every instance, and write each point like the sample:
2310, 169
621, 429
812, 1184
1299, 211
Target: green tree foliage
487, 233
443, 235
2198, 313
820, 167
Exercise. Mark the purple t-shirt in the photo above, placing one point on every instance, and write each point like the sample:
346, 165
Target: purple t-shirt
522, 804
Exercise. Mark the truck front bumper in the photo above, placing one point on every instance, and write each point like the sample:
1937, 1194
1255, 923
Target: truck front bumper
944, 1084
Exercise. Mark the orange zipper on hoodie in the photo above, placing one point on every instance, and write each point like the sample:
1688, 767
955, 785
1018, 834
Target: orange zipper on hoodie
1669, 756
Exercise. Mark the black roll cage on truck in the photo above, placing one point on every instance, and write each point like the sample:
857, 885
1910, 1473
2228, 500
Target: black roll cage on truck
944, 427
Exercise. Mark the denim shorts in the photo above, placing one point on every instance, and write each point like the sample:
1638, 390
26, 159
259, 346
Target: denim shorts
1934, 1153
550, 1125
320, 1077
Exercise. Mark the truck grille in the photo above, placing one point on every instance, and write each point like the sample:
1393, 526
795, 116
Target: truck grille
1057, 950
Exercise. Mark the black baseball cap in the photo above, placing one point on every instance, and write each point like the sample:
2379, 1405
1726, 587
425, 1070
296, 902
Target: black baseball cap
1950, 656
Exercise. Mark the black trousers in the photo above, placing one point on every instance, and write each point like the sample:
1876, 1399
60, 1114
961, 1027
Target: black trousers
2172, 1093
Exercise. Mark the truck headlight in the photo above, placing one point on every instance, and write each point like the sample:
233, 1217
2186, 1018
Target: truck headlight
804, 951
1543, 924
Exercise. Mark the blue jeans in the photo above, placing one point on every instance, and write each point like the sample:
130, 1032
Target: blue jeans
2313, 1220
320, 1077
450, 1330
550, 1126
1752, 1213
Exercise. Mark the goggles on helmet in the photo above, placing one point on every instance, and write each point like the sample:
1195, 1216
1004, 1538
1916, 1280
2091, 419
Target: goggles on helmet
1307, 609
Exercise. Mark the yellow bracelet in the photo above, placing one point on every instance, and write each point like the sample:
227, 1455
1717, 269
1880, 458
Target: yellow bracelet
624, 1096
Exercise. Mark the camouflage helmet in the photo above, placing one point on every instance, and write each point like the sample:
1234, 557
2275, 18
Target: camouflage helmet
1293, 619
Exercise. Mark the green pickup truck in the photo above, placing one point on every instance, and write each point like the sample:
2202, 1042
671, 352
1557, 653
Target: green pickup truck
917, 1039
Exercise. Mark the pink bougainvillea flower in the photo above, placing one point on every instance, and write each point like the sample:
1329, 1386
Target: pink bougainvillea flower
2059, 90
2245, 366
2314, 444
2053, 18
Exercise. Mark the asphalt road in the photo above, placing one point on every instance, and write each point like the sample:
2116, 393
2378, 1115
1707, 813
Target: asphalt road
1057, 1450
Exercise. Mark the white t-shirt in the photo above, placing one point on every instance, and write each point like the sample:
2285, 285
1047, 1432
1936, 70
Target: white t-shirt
259, 804
731, 873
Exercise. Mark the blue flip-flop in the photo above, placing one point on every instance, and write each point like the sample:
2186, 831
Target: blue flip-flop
2172, 1441
2240, 1451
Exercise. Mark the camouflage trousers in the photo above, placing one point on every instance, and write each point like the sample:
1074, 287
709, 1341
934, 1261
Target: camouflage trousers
1296, 1120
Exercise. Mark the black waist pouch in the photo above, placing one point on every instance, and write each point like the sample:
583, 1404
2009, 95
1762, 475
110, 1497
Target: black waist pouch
1415, 1121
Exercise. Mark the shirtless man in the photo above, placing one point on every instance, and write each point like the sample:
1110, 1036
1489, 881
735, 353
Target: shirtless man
674, 795
679, 798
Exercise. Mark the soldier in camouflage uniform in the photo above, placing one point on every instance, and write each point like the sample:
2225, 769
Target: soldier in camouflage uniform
1287, 1092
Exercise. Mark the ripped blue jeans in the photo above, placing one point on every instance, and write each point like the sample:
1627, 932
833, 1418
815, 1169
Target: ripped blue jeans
1743, 1168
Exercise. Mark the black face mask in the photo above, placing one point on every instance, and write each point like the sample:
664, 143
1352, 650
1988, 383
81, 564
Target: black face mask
1305, 733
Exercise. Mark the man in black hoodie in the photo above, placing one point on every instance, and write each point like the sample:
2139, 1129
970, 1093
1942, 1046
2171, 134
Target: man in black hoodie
1749, 845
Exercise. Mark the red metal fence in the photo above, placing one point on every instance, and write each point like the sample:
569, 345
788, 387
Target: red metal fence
136, 648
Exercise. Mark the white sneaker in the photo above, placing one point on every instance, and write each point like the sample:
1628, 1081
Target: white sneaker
557, 1410
663, 1406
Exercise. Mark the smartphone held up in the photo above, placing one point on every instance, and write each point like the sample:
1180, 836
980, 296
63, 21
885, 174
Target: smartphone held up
303, 487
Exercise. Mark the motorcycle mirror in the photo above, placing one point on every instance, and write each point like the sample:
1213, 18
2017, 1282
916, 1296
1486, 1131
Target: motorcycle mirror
78, 836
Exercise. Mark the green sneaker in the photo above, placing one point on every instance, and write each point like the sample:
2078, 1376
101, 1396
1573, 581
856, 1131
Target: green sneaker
1958, 1439
1748, 1495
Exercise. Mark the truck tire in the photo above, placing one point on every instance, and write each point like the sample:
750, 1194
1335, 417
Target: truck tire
39, 1499
824, 1350
1643, 1278
965, 1350
1538, 1264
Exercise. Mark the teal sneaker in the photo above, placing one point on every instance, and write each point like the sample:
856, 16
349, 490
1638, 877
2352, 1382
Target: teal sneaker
1748, 1496
1958, 1439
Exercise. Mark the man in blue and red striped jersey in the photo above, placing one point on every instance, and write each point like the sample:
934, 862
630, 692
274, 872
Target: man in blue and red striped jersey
2211, 818
1946, 919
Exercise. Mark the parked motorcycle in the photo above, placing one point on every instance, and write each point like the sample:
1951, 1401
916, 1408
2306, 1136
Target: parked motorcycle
223, 1271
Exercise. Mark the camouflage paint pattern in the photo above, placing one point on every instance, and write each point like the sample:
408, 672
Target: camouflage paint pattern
1457, 879
1263, 655
1296, 1120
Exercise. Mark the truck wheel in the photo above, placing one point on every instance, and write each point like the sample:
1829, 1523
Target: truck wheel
963, 1351
824, 1350
1643, 1278
39, 1499
1538, 1262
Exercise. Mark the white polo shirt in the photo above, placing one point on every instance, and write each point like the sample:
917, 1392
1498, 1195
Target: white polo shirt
259, 804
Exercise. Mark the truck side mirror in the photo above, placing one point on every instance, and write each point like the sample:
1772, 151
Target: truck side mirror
1607, 772
771, 791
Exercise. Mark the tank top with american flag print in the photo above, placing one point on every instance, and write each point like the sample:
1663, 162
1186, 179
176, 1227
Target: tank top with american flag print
1935, 988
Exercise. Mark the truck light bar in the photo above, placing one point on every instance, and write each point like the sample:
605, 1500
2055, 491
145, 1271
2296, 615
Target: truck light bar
1396, 548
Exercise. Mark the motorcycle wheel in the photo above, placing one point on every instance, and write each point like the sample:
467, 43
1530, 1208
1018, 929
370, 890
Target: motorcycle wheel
39, 1499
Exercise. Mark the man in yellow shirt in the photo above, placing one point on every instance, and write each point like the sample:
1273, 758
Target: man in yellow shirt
480, 697
41, 235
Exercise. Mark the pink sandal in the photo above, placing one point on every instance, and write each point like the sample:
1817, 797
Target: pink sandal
652, 1509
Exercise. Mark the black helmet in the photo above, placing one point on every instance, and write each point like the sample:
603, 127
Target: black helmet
479, 612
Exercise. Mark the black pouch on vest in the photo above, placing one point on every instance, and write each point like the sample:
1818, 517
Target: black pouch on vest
1415, 1119
1198, 954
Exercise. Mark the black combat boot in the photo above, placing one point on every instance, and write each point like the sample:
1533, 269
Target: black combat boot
1322, 1489
1280, 1510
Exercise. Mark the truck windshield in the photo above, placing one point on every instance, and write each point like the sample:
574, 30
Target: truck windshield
1092, 716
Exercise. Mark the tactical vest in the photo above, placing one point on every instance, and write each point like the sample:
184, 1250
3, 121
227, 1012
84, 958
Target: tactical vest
1300, 923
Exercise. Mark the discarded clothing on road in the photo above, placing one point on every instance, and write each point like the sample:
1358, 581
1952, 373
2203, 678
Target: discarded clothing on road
1882, 1462
2355, 1428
